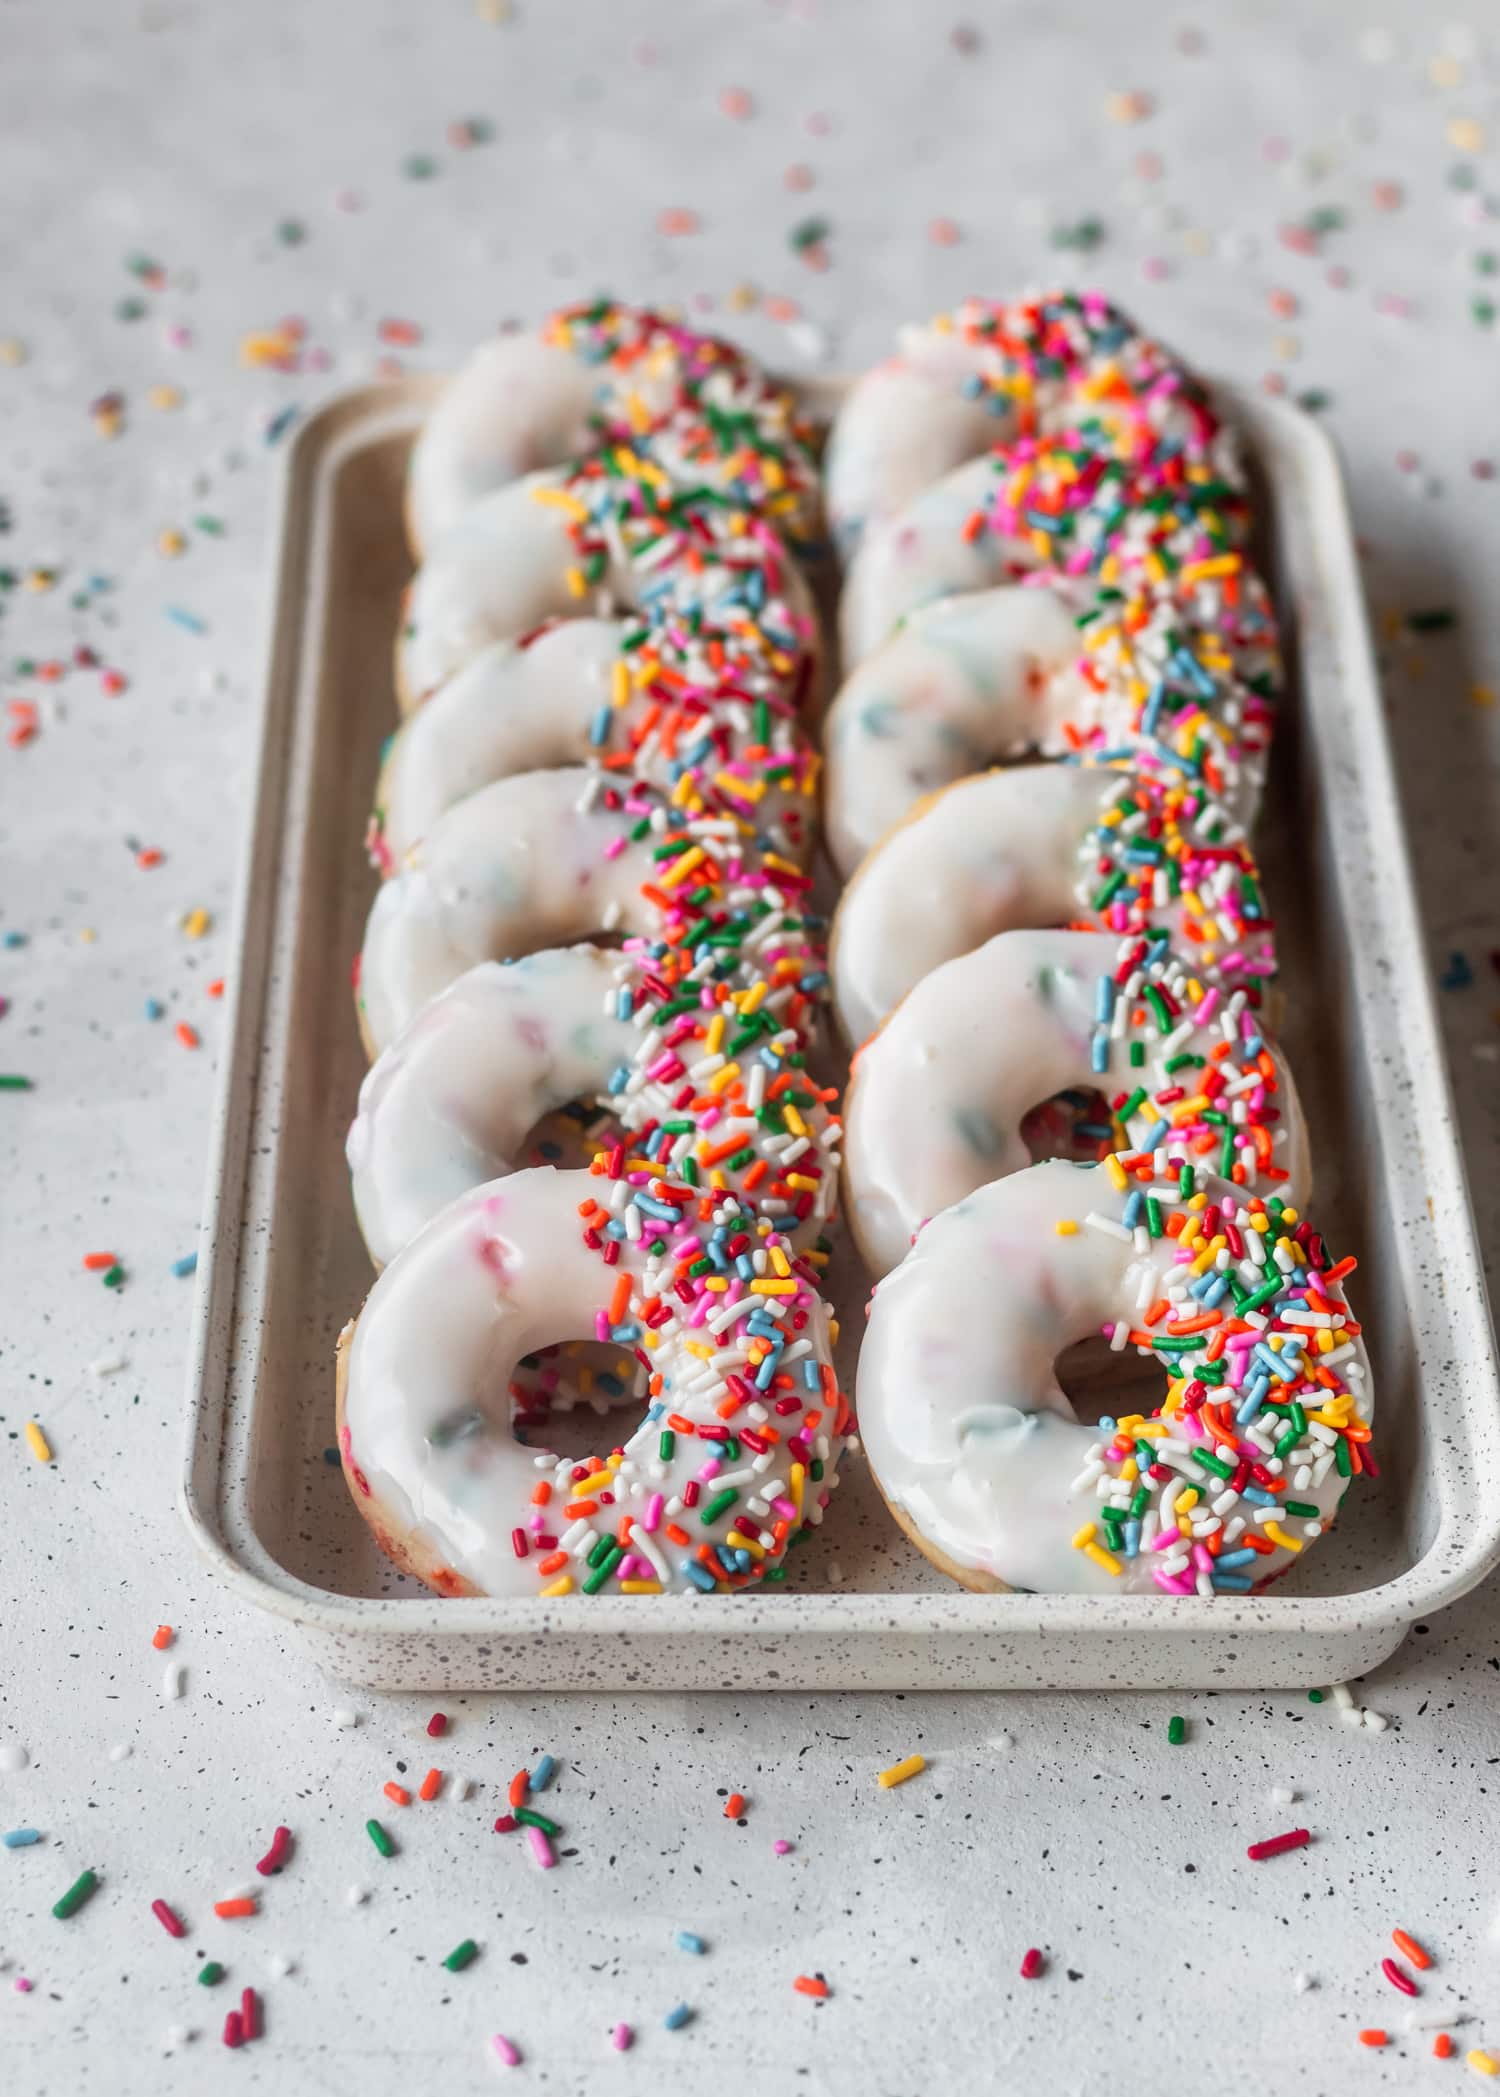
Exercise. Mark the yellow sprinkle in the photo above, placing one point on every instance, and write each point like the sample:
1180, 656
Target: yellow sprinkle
559, 499
780, 1261
1083, 1537
715, 1034
753, 998
636, 1587
1066, 1227
165, 397
723, 1078
1466, 134
1116, 1173
773, 1288
681, 867
1187, 1499
37, 1443
802, 1180
1221, 564
564, 1586
1104, 1558
898, 1772
1278, 1535
619, 683
740, 1542
793, 1119
12, 351
796, 1478
833, 1323
170, 543
40, 579
576, 584
1481, 2062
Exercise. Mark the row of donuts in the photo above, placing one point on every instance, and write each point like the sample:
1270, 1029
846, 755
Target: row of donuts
1045, 526
593, 828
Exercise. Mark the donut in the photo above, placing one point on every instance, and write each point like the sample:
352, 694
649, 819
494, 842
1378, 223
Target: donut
600, 375
738, 1435
544, 859
1047, 845
994, 375
578, 691
640, 1034
937, 1099
1238, 1468
1046, 670
714, 584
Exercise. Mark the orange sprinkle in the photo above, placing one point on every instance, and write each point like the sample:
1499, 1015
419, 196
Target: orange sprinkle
1409, 1948
432, 1784
231, 1909
811, 1984
619, 1303
187, 1035
397, 1794
162, 1637
734, 1805
520, 1784
94, 1261
1442, 2046
1374, 2037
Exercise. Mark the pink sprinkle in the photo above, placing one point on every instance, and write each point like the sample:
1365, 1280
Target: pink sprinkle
23, 1985
781, 1846
735, 102
943, 233
275, 1856
622, 2038
1398, 1977
652, 1515
676, 221
511, 2055
1032, 1965
1295, 1838
541, 1848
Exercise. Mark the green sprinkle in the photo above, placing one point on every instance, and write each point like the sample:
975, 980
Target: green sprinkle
80, 1890
666, 1445
719, 1504
1341, 1462
1315, 1696
462, 1955
1436, 620
1308, 1512
380, 1838
809, 233
419, 167
11, 1083
210, 1974
1176, 1731
537, 1820
605, 1567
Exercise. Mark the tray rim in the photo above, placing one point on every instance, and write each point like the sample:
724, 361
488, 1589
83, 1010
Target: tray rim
384, 408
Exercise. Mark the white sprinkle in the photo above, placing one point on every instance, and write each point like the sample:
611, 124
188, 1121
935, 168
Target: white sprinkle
1353, 1716
176, 2035
1376, 1721
120, 1752
278, 1965
1283, 1795
1343, 1695
13, 1757
106, 1365
343, 1716
1302, 1982
173, 1678
1003, 1741
357, 1896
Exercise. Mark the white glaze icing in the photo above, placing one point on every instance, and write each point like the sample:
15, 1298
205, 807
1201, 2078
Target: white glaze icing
936, 1100
509, 563
971, 1436
1015, 849
523, 402
504, 1271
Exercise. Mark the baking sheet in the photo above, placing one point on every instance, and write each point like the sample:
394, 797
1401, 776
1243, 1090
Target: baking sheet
282, 1266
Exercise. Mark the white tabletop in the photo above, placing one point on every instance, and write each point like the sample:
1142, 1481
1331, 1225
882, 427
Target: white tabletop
178, 178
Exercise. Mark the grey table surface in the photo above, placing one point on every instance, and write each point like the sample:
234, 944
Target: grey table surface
1300, 194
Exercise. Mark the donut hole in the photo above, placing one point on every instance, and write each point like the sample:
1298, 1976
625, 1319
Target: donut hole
1100, 1384
1074, 1124
569, 1137
562, 1397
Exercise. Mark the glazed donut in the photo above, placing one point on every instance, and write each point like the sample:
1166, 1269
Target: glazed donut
995, 375
714, 586
579, 691
1243, 1463
1047, 670
1048, 845
937, 1099
600, 375
640, 1033
738, 1444
543, 859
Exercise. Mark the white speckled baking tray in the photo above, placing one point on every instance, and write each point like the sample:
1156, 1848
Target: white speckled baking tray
282, 1266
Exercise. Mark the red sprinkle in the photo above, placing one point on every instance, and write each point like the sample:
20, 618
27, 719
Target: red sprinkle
734, 1805
250, 2024
276, 1855
1032, 1965
162, 1637
506, 1824
1398, 1978
437, 1725
172, 1924
234, 2029
1295, 1838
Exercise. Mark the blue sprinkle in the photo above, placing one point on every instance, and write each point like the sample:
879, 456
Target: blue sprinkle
622, 1002
1099, 1050
154, 1008
675, 2019
278, 426
618, 1078
1227, 1560
1133, 1539
21, 1838
541, 1776
599, 730
1231, 1583
15, 939
189, 621
810, 1377
1135, 1203
1457, 975
1257, 1498
687, 1940
1104, 1000
187, 1265
701, 1578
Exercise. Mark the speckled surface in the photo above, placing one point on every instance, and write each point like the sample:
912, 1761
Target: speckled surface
190, 135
